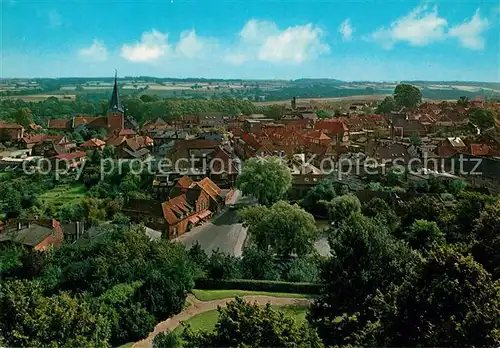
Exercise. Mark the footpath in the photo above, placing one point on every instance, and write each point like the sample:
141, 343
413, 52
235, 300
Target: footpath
197, 307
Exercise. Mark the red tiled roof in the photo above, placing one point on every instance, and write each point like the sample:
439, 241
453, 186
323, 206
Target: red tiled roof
210, 187
60, 123
331, 126
115, 140
94, 142
99, 121
479, 149
70, 156
173, 208
6, 125
237, 132
126, 132
317, 134
251, 140
185, 182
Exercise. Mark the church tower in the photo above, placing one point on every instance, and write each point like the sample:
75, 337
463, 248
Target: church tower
115, 111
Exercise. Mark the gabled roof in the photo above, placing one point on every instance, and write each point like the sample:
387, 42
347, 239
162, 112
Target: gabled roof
196, 144
210, 188
185, 182
60, 123
126, 132
456, 142
479, 149
70, 156
32, 235
94, 142
92, 121
331, 126
317, 134
115, 140
6, 125
175, 209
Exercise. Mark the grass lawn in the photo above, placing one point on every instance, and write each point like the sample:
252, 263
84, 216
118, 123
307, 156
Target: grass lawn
208, 295
206, 321
64, 195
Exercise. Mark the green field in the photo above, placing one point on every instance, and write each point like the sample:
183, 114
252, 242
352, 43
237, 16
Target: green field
207, 320
209, 295
64, 195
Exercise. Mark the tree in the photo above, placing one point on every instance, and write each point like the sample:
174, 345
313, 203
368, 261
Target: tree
323, 114
386, 106
380, 211
286, 229
23, 116
316, 198
407, 95
167, 339
486, 248
425, 236
222, 266
259, 264
452, 302
242, 324
30, 319
341, 207
482, 118
303, 269
267, 179
367, 259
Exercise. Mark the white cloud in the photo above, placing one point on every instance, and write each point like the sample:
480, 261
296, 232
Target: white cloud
419, 28
191, 45
469, 33
153, 45
346, 30
54, 18
262, 40
97, 51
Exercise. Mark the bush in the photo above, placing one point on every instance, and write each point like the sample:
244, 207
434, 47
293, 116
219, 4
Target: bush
258, 285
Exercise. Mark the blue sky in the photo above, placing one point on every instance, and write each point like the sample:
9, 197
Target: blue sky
348, 40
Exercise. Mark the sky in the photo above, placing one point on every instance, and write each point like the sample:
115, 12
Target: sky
363, 40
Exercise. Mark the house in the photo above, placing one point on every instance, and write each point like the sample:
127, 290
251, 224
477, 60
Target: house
49, 148
337, 130
35, 234
73, 231
304, 177
317, 137
93, 144
211, 120
173, 217
130, 148
451, 146
189, 121
394, 153
223, 168
68, 160
187, 153
60, 124
11, 131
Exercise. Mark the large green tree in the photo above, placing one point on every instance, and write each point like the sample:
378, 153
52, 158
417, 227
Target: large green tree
341, 207
243, 324
452, 302
486, 247
366, 259
286, 229
482, 118
316, 199
386, 106
407, 95
267, 179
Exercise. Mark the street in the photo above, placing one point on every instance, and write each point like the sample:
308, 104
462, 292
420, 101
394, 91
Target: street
224, 232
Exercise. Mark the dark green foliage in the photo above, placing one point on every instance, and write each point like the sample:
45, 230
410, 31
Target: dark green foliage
167, 340
285, 229
482, 118
341, 207
258, 285
407, 95
386, 106
30, 319
315, 200
425, 236
249, 325
323, 114
486, 248
303, 269
259, 264
452, 302
366, 258
266, 179
222, 266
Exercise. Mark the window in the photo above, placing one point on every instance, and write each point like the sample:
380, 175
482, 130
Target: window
161, 221
306, 179
175, 231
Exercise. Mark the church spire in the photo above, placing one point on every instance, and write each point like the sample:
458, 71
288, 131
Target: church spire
114, 103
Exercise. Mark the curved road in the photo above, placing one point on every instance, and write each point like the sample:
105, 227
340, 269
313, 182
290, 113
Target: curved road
198, 307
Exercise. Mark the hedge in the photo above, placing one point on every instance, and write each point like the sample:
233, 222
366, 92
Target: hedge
258, 285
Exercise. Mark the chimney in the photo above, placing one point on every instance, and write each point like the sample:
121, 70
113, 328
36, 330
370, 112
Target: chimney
294, 103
